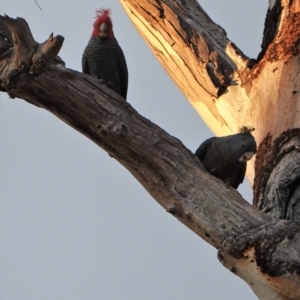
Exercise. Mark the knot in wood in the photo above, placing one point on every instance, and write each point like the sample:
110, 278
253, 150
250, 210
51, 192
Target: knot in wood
103, 130
177, 209
188, 215
120, 130
172, 210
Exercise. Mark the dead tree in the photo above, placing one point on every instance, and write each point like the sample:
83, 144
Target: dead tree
260, 243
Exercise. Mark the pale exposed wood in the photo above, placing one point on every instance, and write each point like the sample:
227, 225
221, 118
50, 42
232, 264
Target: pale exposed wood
272, 253
229, 90
191, 49
169, 171
215, 76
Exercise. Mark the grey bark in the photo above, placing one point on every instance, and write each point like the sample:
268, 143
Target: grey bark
251, 243
277, 184
274, 250
171, 173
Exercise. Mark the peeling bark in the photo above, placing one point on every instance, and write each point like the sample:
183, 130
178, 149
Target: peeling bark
169, 172
272, 22
229, 90
261, 93
190, 47
276, 189
264, 251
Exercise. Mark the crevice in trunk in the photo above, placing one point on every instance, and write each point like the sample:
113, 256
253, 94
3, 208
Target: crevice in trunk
276, 185
271, 28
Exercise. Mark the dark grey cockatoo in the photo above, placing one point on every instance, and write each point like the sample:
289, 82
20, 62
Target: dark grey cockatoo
226, 157
103, 57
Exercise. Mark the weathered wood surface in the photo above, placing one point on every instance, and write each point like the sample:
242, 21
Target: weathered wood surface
227, 89
277, 190
168, 171
272, 253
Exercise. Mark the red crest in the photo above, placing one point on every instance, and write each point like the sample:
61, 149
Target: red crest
103, 16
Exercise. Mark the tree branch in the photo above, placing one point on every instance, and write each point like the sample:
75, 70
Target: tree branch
226, 88
161, 163
191, 48
168, 171
29, 59
38, 5
281, 34
273, 249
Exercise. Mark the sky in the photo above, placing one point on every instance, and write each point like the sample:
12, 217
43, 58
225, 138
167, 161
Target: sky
74, 224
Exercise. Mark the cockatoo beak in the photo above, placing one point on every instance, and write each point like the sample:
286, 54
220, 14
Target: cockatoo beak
103, 30
246, 156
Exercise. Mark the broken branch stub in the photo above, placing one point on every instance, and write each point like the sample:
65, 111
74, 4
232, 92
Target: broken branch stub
45, 54
25, 58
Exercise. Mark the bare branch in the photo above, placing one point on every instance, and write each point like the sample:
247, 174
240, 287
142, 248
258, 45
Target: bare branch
22, 38
192, 48
28, 57
45, 54
226, 88
169, 172
161, 163
37, 5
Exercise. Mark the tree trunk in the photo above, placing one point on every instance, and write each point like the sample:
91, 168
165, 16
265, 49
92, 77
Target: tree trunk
229, 90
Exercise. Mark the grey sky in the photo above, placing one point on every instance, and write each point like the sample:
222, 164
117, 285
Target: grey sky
74, 223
